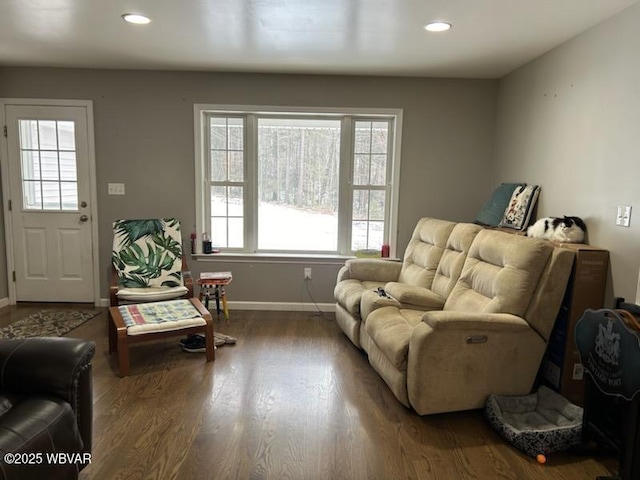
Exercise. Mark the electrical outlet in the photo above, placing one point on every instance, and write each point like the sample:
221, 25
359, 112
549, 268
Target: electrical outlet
578, 371
115, 188
307, 273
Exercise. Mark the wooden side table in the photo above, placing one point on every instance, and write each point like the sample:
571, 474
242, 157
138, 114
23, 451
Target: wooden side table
120, 337
212, 284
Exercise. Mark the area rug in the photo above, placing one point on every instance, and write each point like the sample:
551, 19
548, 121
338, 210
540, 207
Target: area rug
47, 323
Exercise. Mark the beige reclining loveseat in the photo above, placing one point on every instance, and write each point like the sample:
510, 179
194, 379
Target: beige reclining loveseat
472, 316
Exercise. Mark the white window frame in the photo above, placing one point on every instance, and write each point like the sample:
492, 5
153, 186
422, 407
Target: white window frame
202, 183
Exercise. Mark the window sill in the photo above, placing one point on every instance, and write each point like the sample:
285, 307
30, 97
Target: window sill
307, 259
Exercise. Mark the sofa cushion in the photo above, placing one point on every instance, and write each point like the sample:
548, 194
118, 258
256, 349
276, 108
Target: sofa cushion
453, 258
500, 274
372, 300
424, 251
390, 329
349, 292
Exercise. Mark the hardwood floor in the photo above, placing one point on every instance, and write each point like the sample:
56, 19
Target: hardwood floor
293, 399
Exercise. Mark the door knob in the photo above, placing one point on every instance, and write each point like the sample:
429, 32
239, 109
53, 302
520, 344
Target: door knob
84, 218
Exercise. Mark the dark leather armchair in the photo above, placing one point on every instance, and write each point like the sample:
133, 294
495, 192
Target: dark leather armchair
46, 407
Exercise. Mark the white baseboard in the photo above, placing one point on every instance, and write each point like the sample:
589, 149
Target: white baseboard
4, 302
282, 306
275, 306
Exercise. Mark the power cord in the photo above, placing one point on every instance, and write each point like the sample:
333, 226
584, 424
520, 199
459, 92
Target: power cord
307, 281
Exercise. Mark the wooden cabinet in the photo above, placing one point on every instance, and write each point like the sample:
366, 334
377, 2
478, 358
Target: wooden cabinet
561, 367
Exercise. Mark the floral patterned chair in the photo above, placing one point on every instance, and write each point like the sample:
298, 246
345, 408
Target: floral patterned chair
148, 264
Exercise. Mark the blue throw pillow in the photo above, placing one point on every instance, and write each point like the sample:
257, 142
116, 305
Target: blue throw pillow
492, 212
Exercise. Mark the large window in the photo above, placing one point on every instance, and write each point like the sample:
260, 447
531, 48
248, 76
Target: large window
305, 182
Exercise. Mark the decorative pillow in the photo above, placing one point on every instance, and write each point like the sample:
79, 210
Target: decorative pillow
518, 212
493, 210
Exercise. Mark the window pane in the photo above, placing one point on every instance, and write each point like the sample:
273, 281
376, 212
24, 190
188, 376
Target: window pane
30, 165
369, 200
29, 134
219, 232
218, 133
68, 166
379, 134
236, 166
376, 205
218, 201
49, 165
219, 166
360, 205
51, 195
363, 137
48, 135
32, 196
48, 154
361, 170
378, 169
69, 195
66, 136
376, 234
236, 134
236, 233
358, 235
298, 165
284, 228
236, 206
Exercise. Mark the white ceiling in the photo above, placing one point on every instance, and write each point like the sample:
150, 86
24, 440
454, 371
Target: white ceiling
489, 38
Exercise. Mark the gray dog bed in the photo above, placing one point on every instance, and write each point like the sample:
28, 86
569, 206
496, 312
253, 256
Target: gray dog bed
543, 422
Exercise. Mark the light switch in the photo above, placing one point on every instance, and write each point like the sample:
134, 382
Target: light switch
116, 188
623, 215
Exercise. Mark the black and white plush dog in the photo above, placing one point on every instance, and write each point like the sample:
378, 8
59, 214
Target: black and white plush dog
566, 229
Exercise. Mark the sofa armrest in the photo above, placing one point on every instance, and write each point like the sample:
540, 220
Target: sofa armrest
421, 297
343, 274
373, 270
42, 365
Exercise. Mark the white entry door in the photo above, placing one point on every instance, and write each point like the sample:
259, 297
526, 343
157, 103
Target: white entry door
49, 195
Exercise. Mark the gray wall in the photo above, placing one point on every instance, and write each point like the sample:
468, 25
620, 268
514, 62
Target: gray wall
570, 122
144, 138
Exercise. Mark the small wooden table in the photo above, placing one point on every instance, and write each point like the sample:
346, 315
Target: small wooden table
120, 337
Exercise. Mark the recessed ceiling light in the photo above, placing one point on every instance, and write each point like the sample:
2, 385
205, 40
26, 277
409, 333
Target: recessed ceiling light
136, 18
437, 27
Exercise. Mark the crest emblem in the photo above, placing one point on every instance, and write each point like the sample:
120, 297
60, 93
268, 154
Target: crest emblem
608, 344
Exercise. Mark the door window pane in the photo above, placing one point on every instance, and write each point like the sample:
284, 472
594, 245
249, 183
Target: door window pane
30, 165
66, 136
48, 135
48, 165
